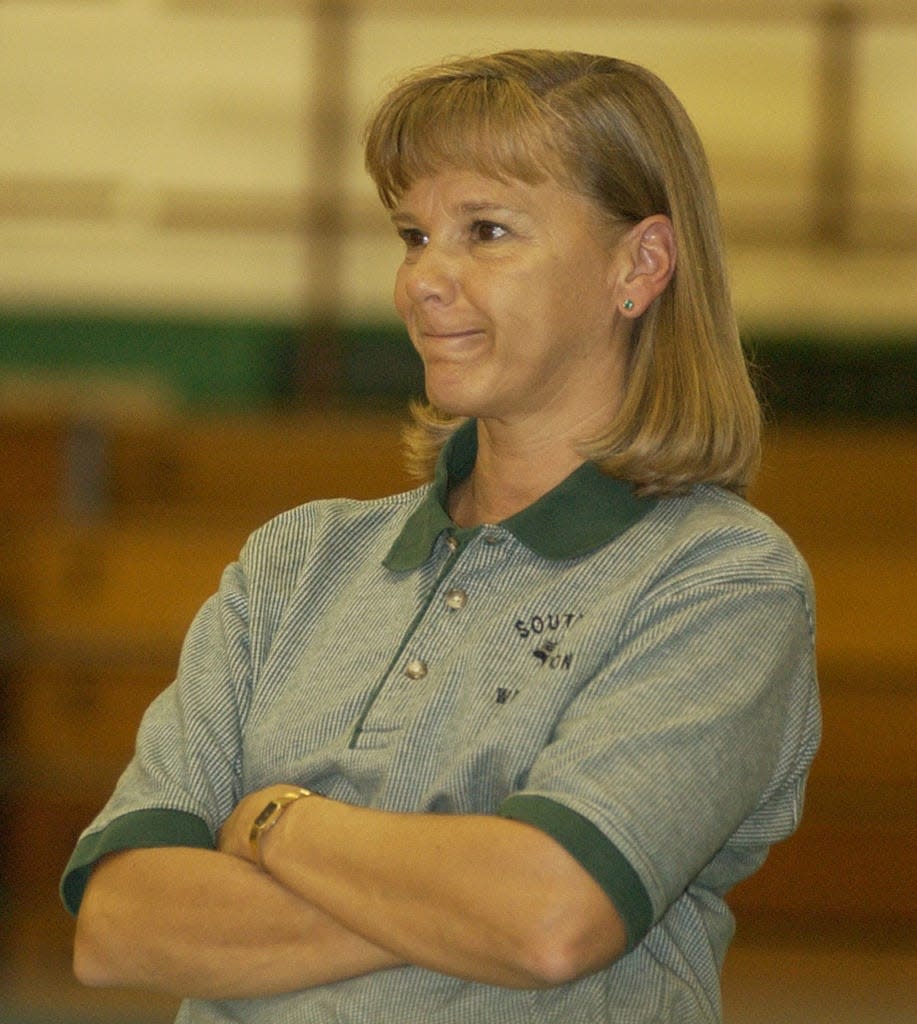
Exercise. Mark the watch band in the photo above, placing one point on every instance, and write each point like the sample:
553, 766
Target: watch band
269, 817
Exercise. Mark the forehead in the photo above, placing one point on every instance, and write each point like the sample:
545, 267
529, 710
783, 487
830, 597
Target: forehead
466, 189
459, 193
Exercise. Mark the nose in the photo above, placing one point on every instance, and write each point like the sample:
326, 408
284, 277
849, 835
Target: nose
430, 276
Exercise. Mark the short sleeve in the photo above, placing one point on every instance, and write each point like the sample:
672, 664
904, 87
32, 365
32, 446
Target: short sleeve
696, 735
183, 779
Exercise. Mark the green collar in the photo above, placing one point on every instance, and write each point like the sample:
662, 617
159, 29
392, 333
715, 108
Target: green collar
581, 514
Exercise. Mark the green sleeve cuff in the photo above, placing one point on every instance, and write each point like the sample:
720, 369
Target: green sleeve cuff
594, 851
137, 829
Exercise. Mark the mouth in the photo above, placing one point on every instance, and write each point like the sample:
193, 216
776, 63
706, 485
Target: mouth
454, 338
449, 347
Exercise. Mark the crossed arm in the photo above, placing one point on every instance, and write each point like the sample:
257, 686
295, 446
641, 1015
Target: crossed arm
345, 891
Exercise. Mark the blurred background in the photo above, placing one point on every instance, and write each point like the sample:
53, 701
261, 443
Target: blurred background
196, 332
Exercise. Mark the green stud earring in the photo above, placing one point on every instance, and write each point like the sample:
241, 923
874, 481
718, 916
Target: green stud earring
628, 304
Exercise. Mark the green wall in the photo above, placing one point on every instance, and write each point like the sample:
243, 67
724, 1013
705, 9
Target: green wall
251, 365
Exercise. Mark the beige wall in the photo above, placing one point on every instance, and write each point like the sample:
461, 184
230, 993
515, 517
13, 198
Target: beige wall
152, 154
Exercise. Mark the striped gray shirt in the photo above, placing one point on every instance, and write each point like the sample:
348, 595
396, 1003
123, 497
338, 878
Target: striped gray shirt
635, 677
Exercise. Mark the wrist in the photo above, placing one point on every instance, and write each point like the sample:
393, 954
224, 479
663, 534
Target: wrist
266, 820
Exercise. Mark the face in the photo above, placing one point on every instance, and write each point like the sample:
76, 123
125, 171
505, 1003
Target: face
508, 292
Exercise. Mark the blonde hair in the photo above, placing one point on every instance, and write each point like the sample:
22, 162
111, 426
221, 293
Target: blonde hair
615, 133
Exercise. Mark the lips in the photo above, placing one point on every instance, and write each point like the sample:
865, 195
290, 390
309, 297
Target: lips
446, 333
448, 340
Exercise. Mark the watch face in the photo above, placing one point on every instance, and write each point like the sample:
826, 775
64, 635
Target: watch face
265, 815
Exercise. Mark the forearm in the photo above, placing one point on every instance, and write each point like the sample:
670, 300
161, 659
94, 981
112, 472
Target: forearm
478, 897
198, 923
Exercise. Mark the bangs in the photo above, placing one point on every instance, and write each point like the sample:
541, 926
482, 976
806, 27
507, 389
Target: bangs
493, 126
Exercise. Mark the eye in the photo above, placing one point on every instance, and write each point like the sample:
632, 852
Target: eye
488, 231
413, 238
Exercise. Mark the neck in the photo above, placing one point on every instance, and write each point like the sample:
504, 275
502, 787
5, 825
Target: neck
510, 473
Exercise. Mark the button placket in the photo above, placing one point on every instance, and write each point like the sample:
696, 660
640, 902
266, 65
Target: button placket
454, 599
437, 628
417, 668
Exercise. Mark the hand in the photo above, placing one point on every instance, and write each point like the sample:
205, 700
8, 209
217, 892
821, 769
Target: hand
233, 836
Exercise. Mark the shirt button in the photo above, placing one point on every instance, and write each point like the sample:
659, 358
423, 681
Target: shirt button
452, 543
456, 599
415, 669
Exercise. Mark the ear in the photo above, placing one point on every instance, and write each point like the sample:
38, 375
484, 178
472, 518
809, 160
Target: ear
649, 253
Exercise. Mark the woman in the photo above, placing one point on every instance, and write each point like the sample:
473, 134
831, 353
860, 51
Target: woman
556, 702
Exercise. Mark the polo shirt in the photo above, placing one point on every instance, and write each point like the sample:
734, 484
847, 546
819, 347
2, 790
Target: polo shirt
633, 676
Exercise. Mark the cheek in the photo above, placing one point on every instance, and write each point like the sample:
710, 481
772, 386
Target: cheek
581, 293
399, 295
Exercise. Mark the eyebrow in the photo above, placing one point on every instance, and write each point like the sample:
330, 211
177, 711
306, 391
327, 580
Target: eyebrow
472, 206
486, 206
402, 217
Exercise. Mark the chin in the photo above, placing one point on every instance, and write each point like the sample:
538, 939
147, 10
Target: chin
451, 408
453, 401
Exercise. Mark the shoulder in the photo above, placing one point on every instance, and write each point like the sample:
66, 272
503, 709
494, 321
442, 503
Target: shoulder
714, 535
294, 558
338, 527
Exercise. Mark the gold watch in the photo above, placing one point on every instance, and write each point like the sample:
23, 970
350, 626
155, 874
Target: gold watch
269, 817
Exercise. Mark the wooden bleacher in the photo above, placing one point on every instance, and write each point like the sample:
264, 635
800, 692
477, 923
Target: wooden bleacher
847, 494
95, 596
